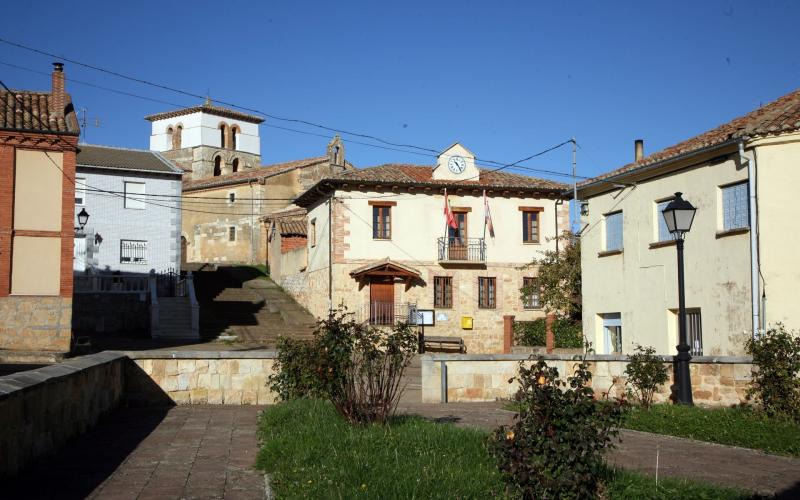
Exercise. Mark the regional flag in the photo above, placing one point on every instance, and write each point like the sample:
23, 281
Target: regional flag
487, 215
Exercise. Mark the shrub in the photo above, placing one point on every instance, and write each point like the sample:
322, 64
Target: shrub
357, 367
530, 333
554, 448
567, 333
776, 386
646, 372
294, 374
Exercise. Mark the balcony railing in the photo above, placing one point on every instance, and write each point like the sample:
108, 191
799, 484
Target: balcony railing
462, 250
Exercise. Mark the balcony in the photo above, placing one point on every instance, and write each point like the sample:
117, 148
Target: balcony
462, 251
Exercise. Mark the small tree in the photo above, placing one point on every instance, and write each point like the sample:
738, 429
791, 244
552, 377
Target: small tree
555, 447
646, 372
776, 385
560, 277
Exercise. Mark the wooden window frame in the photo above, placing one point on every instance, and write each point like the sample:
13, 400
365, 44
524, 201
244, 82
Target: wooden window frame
312, 232
527, 219
534, 280
383, 231
443, 292
487, 292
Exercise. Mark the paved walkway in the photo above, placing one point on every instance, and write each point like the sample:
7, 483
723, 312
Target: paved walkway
145, 453
677, 457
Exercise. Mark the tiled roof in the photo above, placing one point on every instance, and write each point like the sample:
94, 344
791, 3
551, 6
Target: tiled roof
384, 264
779, 116
402, 174
90, 155
30, 111
293, 227
251, 174
206, 108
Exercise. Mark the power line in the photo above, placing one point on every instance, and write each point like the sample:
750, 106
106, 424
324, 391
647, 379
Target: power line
274, 117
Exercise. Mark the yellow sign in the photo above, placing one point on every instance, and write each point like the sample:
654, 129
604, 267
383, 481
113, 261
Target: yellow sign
466, 322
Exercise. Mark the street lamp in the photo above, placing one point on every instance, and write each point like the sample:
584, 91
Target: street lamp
679, 215
83, 218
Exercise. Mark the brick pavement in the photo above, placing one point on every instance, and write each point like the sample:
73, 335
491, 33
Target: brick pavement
678, 457
142, 453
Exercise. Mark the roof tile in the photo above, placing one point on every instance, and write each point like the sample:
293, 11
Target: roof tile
30, 111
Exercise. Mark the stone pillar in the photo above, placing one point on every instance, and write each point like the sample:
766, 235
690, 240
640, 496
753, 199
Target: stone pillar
508, 333
550, 339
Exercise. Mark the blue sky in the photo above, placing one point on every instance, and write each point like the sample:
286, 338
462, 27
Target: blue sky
507, 79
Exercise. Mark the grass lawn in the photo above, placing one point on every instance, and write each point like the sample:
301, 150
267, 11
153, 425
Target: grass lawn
310, 452
732, 426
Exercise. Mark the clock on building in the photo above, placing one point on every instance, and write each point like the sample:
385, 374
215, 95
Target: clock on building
456, 164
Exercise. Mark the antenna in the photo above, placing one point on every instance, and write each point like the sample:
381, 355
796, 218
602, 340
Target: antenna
87, 122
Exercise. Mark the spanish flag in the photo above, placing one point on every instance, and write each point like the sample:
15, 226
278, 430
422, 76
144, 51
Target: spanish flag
487, 215
449, 218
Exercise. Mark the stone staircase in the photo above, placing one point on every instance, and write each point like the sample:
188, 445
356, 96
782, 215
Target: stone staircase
174, 318
236, 301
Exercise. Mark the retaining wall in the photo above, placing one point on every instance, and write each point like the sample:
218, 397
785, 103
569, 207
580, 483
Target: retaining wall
41, 409
716, 381
201, 377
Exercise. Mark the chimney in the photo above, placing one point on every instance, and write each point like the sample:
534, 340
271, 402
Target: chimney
57, 93
638, 150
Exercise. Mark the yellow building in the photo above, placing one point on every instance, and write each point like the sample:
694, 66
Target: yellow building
377, 242
742, 271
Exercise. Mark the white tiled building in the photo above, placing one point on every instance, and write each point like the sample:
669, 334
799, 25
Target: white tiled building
133, 201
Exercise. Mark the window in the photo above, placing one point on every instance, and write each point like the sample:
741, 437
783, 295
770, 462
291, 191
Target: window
231, 197
614, 231
381, 222
612, 333
235, 138
235, 165
80, 191
223, 129
530, 226
134, 195
443, 292
312, 232
694, 332
217, 166
531, 298
232, 233
663, 231
170, 138
176, 138
486, 293
735, 207
132, 252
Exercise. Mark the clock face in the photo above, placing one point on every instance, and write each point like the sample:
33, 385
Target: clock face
456, 164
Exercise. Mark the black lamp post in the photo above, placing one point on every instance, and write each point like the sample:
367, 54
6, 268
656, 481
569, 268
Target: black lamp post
678, 215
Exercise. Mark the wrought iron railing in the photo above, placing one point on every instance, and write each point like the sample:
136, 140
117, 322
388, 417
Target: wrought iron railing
387, 314
110, 283
462, 249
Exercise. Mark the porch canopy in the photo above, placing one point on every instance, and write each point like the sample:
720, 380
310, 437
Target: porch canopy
385, 268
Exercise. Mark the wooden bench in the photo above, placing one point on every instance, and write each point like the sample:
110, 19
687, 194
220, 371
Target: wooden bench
442, 341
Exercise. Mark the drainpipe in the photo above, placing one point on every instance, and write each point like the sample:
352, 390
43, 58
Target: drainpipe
330, 253
754, 282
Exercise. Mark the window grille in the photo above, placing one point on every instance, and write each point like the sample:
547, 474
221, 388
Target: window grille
531, 298
232, 233
443, 292
381, 222
133, 252
614, 231
486, 293
735, 207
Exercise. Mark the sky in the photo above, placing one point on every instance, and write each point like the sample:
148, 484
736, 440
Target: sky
507, 79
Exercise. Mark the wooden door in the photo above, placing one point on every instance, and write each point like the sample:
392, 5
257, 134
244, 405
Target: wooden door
381, 302
457, 241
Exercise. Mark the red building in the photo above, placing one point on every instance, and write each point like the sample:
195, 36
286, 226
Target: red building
38, 145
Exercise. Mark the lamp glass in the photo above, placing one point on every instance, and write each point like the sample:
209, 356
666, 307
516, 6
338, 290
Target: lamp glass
83, 217
679, 215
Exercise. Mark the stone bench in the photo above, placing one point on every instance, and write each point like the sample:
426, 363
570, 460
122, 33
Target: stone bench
442, 341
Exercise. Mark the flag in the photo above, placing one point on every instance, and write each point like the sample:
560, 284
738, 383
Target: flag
449, 218
487, 214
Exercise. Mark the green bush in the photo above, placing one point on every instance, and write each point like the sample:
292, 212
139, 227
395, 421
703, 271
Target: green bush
776, 385
567, 333
357, 367
646, 372
530, 333
555, 447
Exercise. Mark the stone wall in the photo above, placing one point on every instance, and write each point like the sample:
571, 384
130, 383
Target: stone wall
110, 312
34, 323
716, 381
41, 409
195, 377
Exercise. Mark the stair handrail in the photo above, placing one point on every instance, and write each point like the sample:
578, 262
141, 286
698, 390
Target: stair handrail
153, 285
193, 303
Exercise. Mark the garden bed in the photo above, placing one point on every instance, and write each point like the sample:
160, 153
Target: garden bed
310, 451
